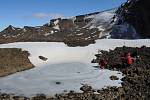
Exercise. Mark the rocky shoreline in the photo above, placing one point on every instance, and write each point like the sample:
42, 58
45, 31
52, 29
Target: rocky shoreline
13, 60
135, 85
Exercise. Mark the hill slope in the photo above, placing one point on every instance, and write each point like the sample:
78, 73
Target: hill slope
79, 30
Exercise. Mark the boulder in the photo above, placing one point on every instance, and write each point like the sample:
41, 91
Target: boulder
43, 58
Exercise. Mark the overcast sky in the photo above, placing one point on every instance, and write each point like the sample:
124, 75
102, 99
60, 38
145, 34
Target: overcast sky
38, 12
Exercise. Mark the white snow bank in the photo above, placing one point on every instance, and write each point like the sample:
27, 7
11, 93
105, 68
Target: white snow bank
105, 16
69, 65
102, 18
102, 21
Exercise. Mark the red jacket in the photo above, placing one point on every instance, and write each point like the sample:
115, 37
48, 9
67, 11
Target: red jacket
129, 60
102, 62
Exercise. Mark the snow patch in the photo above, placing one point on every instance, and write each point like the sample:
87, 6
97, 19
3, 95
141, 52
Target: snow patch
73, 19
24, 30
105, 16
46, 34
90, 17
13, 28
56, 27
56, 22
93, 32
51, 32
4, 35
101, 28
102, 21
87, 38
80, 34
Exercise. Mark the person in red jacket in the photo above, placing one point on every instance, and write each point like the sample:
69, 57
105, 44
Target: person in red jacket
102, 63
129, 59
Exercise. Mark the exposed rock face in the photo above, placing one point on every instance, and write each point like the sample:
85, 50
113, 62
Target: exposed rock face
13, 60
136, 13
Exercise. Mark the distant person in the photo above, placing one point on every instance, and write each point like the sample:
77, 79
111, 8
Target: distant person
129, 59
102, 63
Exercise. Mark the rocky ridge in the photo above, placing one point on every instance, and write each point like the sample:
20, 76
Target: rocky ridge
71, 31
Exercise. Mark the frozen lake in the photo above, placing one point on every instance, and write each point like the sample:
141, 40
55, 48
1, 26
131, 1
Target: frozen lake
70, 66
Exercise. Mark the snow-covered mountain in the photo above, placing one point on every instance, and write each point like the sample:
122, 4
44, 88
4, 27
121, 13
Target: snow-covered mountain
79, 30
83, 30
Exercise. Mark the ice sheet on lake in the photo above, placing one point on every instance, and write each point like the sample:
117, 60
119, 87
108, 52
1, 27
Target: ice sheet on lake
68, 65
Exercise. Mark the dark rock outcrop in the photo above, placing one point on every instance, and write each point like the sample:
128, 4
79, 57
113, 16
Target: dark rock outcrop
114, 77
136, 13
135, 84
13, 60
86, 88
43, 58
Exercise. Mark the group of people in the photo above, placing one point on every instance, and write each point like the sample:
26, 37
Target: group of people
126, 59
